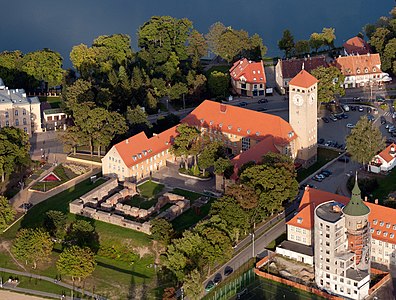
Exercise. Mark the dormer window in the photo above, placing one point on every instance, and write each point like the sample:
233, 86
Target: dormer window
140, 155
387, 225
211, 123
385, 233
358, 70
248, 131
134, 157
258, 71
299, 220
239, 129
229, 126
291, 134
254, 79
221, 125
375, 221
372, 230
258, 133
382, 223
391, 235
378, 232
254, 72
394, 227
374, 69
365, 70
202, 120
144, 152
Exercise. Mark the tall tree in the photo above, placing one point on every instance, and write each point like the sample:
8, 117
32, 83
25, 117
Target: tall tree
161, 230
286, 43
208, 155
7, 213
364, 141
184, 142
223, 166
44, 65
76, 262
330, 80
81, 233
32, 246
388, 57
196, 83
316, 41
379, 38
218, 83
213, 36
302, 47
328, 36
193, 285
55, 223
197, 47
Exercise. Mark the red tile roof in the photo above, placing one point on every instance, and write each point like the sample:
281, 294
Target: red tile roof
385, 217
240, 121
386, 153
303, 79
359, 64
255, 154
253, 72
356, 45
138, 147
291, 67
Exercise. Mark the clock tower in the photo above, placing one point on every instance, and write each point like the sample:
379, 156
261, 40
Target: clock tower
303, 112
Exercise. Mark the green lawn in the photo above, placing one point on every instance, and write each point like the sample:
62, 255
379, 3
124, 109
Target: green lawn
190, 217
324, 156
149, 189
140, 202
187, 194
387, 184
55, 102
224, 69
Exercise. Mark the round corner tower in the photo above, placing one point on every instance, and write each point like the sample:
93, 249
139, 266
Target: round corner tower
358, 229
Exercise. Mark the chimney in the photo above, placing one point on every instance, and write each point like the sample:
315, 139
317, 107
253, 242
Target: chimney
126, 141
223, 108
376, 201
365, 199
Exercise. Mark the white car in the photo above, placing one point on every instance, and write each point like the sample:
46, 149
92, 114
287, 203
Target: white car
346, 107
349, 125
360, 108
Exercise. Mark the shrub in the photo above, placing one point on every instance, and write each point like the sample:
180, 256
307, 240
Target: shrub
118, 252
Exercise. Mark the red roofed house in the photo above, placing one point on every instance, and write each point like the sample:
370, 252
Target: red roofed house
356, 45
384, 161
138, 156
286, 69
340, 236
361, 70
248, 78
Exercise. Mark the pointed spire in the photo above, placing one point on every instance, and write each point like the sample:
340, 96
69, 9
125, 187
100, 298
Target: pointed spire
356, 206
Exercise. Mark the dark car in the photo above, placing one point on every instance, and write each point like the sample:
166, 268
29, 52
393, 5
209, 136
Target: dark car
344, 116
243, 103
353, 108
343, 159
325, 120
217, 279
303, 186
339, 117
357, 98
383, 120
209, 286
326, 173
369, 109
263, 100
262, 109
228, 270
320, 141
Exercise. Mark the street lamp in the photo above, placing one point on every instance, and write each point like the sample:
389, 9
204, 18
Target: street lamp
252, 235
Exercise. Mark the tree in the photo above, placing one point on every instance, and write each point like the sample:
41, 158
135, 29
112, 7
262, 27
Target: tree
175, 261
161, 230
257, 49
151, 102
197, 47
218, 83
76, 262
364, 141
208, 156
274, 181
379, 38
44, 65
328, 36
184, 141
193, 285
137, 116
286, 43
330, 83
302, 47
223, 166
369, 30
7, 213
213, 36
177, 90
169, 294
32, 246
316, 41
389, 55
55, 223
14, 150
246, 196
232, 43
83, 234
196, 83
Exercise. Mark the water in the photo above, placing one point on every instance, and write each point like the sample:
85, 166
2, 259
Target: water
30, 25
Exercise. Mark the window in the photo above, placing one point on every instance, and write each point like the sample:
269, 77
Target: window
6, 114
375, 221
382, 223
387, 225
25, 129
16, 122
24, 112
245, 143
24, 121
16, 112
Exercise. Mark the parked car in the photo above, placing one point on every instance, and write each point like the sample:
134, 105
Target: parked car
325, 120
353, 108
346, 107
357, 98
263, 100
349, 125
228, 270
217, 279
383, 120
320, 141
370, 117
328, 143
209, 286
339, 117
262, 109
303, 186
369, 109
333, 118
243, 103
321, 176
344, 159
361, 108
393, 134
388, 125
344, 116
316, 178
326, 173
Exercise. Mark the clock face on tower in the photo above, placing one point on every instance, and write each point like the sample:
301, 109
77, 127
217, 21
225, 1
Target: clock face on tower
298, 100
311, 99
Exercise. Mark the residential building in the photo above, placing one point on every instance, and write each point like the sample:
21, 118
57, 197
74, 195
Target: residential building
248, 78
54, 118
18, 110
384, 161
356, 45
341, 237
138, 156
287, 69
361, 70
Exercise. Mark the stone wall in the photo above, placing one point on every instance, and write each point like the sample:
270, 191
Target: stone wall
100, 192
